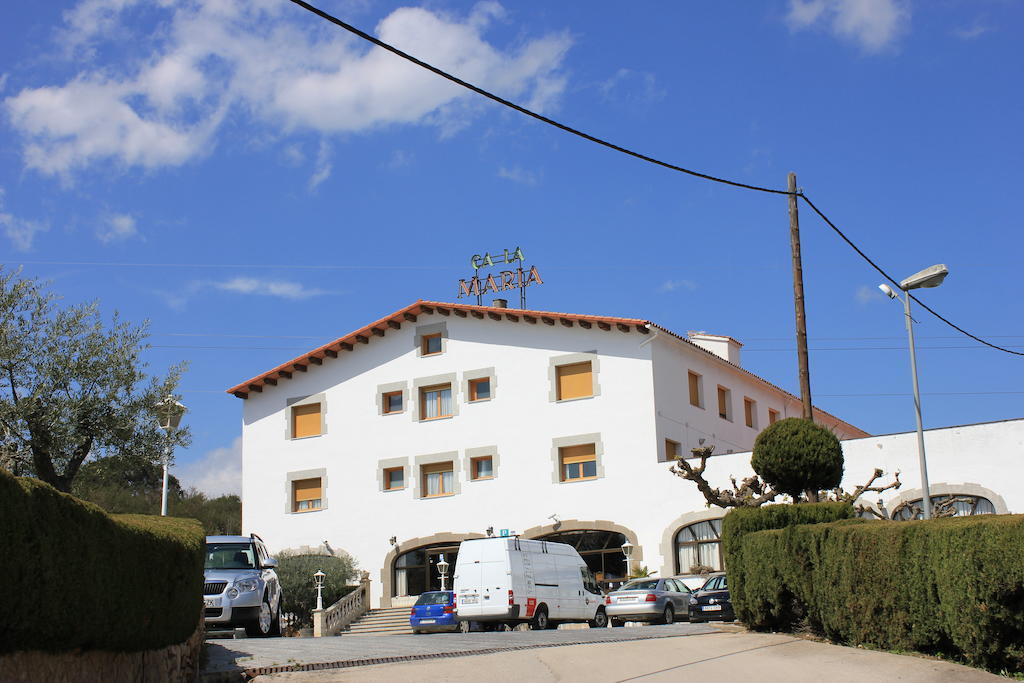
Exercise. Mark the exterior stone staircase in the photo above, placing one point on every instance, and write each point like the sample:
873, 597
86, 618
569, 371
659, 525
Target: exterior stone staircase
382, 622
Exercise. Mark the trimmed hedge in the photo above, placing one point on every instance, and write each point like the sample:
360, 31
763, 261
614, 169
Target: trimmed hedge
953, 587
76, 577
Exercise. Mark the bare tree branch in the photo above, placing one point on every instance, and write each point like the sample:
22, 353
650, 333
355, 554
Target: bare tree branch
751, 492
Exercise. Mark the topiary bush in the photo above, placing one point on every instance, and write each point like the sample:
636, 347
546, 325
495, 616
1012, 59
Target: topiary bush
796, 456
295, 571
76, 577
951, 587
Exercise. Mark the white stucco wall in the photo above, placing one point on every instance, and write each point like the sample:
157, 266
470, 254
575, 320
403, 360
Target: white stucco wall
643, 398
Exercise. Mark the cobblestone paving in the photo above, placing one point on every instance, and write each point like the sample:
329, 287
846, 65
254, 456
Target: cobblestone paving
229, 658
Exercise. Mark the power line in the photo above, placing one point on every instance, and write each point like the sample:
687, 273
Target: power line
876, 348
643, 157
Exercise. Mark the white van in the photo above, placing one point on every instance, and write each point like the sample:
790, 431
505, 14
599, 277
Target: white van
513, 581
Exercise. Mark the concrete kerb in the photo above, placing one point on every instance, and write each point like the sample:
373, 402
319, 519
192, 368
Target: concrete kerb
248, 673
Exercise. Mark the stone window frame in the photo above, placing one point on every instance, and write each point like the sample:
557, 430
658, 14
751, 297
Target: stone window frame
392, 463
431, 459
390, 388
480, 452
290, 403
560, 442
298, 475
482, 373
434, 380
571, 359
427, 330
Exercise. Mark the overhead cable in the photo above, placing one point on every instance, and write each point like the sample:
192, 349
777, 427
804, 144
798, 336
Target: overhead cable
643, 157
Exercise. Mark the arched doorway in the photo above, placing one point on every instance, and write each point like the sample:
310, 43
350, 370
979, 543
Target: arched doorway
601, 550
415, 571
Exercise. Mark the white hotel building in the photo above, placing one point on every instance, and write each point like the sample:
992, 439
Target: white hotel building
441, 422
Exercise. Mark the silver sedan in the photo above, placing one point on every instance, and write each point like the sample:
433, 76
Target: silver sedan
649, 599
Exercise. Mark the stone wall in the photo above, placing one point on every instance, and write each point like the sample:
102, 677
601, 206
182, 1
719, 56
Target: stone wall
171, 664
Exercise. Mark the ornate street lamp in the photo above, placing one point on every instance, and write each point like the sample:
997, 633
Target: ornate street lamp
627, 550
318, 581
168, 413
442, 568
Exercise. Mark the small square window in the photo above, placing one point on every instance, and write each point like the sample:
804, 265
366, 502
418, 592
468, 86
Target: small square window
773, 416
307, 495
575, 380
578, 463
431, 344
671, 449
482, 468
392, 402
394, 478
438, 479
436, 402
480, 389
306, 421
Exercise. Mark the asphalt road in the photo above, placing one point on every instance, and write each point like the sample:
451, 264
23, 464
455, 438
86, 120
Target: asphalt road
226, 659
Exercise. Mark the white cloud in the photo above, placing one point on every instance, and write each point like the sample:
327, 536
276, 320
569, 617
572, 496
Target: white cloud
866, 295
268, 61
116, 228
323, 166
636, 87
972, 32
873, 24
217, 473
20, 231
400, 159
518, 175
673, 285
279, 288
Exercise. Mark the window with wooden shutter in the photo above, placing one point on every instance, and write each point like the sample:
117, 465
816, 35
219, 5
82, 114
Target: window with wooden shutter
724, 401
575, 380
773, 416
306, 421
750, 412
578, 462
307, 495
671, 449
695, 397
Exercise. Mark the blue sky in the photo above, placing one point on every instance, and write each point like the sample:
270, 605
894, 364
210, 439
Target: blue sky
256, 182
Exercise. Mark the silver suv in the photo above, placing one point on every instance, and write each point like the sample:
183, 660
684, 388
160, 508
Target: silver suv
241, 586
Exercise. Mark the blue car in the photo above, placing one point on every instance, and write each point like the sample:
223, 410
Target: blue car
434, 611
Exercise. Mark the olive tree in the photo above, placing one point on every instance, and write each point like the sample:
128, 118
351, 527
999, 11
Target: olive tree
72, 387
295, 571
798, 457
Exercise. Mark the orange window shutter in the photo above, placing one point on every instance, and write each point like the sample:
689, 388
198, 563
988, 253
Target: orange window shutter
306, 420
694, 390
307, 489
722, 408
748, 409
574, 454
575, 381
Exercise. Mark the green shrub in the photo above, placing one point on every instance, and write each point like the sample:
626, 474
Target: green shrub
953, 587
76, 577
795, 455
737, 525
295, 571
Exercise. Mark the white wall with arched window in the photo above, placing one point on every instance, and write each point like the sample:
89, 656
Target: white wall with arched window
699, 544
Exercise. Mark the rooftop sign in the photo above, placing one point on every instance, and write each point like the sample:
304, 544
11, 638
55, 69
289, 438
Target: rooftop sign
520, 278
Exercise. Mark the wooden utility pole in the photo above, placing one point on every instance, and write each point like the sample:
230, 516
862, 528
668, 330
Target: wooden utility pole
798, 301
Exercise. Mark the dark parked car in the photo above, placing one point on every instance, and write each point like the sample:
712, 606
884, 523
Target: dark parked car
712, 601
434, 611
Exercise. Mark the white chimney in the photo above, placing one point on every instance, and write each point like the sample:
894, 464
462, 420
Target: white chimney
723, 347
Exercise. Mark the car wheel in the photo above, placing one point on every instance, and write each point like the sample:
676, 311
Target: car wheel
669, 616
465, 626
260, 627
616, 623
600, 619
540, 619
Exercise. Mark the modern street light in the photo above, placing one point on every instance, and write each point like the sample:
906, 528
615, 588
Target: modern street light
318, 581
442, 568
169, 414
929, 277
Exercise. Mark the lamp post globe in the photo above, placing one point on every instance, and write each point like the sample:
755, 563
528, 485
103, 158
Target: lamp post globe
318, 581
168, 413
442, 569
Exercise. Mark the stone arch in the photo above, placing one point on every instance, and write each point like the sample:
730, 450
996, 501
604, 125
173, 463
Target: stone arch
946, 489
564, 525
387, 572
668, 537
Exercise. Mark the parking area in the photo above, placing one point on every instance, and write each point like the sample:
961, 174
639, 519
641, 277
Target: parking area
227, 659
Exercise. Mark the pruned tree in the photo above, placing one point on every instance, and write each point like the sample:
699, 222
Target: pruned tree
799, 458
72, 388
